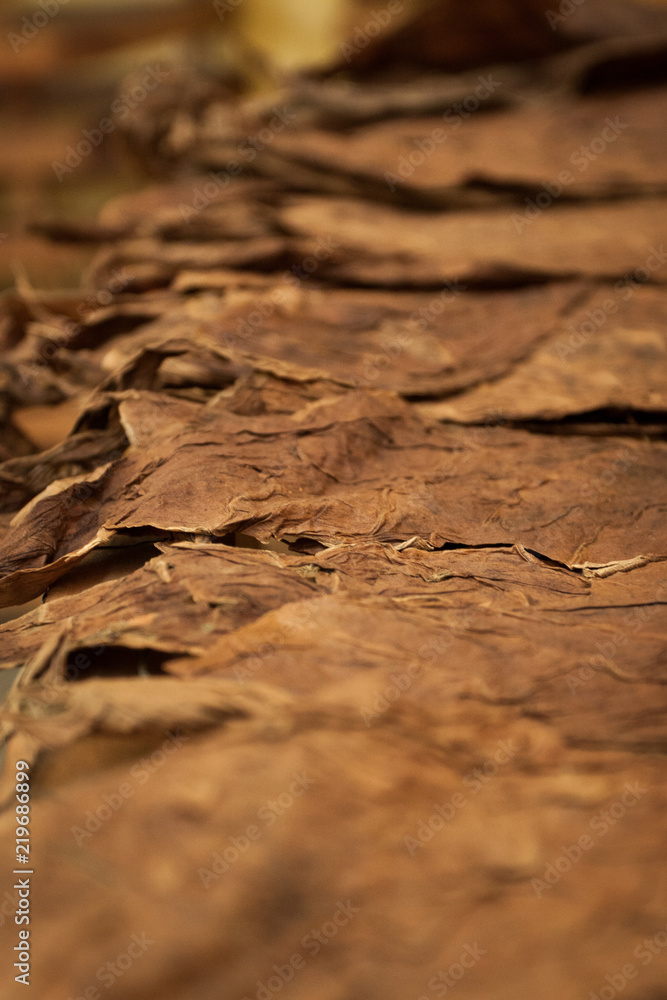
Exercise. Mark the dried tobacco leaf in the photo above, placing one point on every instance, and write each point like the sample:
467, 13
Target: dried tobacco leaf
353, 466
610, 355
402, 908
416, 343
388, 671
431, 156
181, 602
379, 245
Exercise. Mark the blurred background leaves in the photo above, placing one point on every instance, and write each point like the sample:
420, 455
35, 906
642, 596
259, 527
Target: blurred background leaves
64, 61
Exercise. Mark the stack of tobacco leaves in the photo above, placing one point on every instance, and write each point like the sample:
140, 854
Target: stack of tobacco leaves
348, 675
